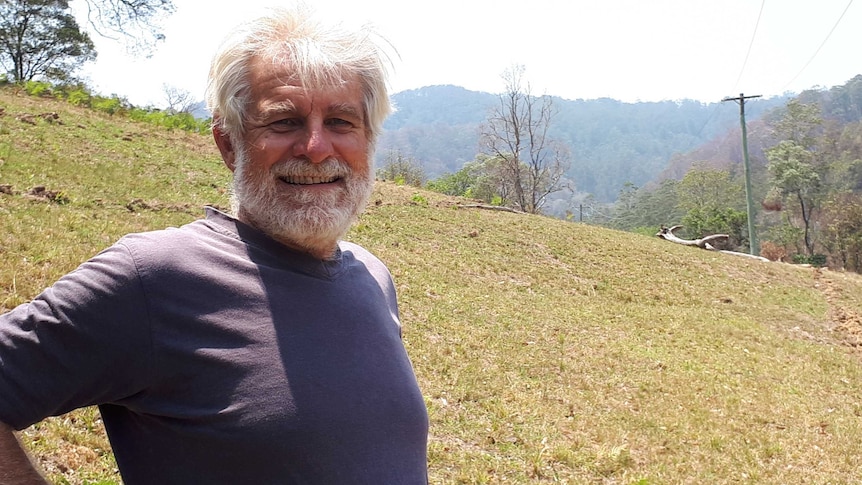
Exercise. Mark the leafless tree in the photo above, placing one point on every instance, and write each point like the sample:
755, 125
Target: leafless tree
178, 100
516, 134
136, 22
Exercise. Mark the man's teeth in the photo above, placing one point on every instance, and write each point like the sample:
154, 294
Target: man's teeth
309, 180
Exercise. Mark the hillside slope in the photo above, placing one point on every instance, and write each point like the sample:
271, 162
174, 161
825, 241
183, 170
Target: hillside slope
547, 351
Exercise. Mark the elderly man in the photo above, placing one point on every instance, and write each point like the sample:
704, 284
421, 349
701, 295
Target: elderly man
257, 348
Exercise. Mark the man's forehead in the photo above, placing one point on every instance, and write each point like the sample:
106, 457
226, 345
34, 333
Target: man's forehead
281, 87
309, 77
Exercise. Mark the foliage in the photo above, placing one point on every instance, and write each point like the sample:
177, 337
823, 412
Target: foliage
79, 95
40, 39
643, 211
180, 121
772, 251
530, 165
481, 179
794, 174
713, 202
459, 183
800, 123
843, 231
402, 170
703, 222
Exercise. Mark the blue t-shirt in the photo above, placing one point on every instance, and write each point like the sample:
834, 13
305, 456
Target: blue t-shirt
218, 355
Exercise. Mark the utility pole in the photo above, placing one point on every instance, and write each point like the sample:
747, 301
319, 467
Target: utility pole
753, 247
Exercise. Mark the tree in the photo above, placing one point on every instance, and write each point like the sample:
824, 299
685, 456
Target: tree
178, 100
136, 21
800, 124
713, 203
516, 134
794, 175
843, 232
40, 39
402, 170
459, 183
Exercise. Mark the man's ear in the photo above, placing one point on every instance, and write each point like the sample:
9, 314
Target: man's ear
225, 146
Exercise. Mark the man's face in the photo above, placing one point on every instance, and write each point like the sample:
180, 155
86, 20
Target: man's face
301, 170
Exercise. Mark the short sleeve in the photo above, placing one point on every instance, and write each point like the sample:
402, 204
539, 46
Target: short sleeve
83, 341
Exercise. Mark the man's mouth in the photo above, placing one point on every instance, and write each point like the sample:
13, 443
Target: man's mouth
308, 180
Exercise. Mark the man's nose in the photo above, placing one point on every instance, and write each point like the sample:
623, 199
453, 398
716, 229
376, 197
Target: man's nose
315, 144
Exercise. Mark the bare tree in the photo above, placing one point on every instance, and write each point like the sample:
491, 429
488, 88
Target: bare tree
136, 22
516, 133
178, 100
402, 169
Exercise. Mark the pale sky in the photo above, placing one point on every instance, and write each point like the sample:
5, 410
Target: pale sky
630, 50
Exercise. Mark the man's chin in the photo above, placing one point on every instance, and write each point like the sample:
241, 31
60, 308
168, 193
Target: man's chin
309, 228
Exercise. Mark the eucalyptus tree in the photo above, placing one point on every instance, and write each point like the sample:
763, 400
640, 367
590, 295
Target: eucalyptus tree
794, 175
798, 167
41, 39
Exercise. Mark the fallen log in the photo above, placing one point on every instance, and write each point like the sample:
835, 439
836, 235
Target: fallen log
490, 208
667, 234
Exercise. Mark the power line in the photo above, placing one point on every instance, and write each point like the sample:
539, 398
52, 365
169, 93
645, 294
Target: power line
750, 45
821, 46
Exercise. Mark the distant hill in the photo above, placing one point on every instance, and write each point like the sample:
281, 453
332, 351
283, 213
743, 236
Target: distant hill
612, 142
840, 106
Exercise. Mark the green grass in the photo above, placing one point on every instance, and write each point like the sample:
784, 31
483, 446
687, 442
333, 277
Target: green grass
548, 352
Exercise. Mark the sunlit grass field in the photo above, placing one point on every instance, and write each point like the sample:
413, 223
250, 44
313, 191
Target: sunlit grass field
548, 352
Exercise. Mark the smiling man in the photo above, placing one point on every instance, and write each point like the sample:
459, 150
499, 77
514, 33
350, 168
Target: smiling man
252, 348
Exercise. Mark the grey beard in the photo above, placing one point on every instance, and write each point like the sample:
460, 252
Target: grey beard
303, 220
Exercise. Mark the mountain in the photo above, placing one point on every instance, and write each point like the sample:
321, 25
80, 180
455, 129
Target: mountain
612, 142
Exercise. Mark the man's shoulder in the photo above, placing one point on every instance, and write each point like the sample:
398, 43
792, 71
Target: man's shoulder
168, 237
190, 244
358, 252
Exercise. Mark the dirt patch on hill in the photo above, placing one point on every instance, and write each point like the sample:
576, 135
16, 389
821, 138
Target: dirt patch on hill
846, 322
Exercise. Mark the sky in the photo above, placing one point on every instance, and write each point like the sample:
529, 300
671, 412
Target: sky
629, 50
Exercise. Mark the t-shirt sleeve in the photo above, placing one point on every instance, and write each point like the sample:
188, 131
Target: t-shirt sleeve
83, 341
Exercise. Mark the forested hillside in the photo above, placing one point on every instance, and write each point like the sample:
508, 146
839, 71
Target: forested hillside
612, 142
805, 184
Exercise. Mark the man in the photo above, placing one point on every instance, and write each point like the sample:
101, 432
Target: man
255, 349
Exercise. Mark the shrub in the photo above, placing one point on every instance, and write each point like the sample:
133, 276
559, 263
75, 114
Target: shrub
78, 97
37, 88
111, 105
772, 251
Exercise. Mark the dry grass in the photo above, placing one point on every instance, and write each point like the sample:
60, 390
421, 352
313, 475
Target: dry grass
548, 352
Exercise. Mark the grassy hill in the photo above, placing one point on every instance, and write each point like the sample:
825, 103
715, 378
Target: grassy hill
548, 352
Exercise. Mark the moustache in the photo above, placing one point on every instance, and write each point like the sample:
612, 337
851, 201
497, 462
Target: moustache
330, 168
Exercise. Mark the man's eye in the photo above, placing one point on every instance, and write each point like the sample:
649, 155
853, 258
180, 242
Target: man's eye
339, 123
287, 123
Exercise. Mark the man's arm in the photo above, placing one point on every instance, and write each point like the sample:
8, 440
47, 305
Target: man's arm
15, 467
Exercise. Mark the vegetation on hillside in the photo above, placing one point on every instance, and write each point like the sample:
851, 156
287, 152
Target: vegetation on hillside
548, 352
611, 142
807, 173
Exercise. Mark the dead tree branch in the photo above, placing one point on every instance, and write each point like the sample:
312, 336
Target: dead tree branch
703, 243
491, 208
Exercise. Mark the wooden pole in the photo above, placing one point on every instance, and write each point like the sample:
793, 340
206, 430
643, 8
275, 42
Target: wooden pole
753, 246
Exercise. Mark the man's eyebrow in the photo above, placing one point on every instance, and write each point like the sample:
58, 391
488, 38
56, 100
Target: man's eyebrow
279, 108
347, 109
